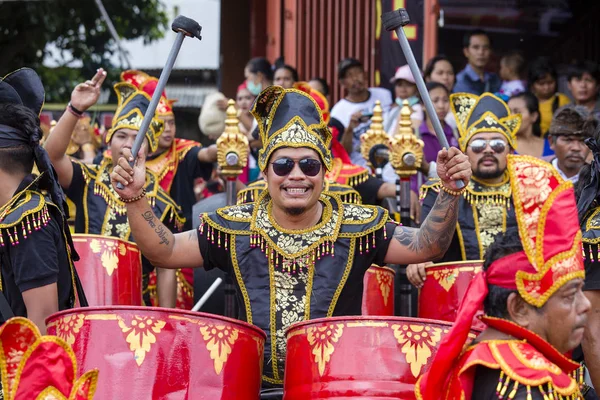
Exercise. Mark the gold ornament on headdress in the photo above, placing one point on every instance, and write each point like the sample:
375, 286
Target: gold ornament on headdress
375, 135
486, 113
406, 149
232, 146
290, 118
132, 105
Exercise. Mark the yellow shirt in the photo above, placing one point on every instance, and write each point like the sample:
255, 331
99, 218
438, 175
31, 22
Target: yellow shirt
546, 110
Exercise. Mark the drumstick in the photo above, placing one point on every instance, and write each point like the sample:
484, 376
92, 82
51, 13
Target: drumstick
184, 27
394, 21
208, 293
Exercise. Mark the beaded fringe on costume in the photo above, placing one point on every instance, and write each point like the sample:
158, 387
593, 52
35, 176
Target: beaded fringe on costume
25, 227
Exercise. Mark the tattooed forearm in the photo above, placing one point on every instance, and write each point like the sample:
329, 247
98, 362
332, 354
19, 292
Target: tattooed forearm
149, 217
435, 235
163, 234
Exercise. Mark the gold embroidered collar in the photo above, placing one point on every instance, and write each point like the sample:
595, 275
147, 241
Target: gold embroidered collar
292, 244
480, 192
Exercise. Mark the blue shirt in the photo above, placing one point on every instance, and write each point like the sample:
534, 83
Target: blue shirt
468, 81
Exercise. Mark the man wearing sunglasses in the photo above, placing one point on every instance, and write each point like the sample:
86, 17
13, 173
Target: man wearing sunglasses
296, 253
487, 134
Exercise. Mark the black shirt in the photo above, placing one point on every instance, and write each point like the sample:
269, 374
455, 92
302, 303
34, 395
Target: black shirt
40, 259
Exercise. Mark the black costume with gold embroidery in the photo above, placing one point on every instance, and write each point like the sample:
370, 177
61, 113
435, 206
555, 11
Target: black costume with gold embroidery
285, 276
484, 210
34, 249
99, 210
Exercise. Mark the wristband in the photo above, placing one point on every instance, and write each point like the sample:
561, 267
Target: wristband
453, 192
134, 199
74, 111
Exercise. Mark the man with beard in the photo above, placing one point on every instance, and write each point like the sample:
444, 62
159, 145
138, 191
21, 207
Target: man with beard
487, 135
567, 136
531, 291
295, 253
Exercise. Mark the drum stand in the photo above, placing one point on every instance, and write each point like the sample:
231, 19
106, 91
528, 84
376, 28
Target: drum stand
232, 156
406, 155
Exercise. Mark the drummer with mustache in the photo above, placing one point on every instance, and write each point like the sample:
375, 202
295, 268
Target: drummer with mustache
296, 253
487, 134
531, 290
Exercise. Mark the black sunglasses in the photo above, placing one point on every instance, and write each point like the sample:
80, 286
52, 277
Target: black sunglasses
308, 166
479, 145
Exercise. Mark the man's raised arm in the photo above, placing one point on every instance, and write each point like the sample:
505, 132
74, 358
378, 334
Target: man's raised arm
83, 97
431, 241
161, 247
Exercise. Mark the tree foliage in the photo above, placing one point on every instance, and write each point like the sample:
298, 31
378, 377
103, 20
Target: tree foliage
78, 31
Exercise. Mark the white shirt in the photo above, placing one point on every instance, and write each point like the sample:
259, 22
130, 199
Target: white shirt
343, 110
573, 179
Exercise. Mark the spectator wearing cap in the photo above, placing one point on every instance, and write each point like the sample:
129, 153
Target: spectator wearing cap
405, 88
474, 79
584, 84
568, 130
355, 110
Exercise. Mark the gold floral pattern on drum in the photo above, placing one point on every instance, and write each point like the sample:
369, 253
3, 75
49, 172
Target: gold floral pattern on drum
219, 342
141, 334
321, 339
385, 279
446, 278
417, 343
68, 326
109, 249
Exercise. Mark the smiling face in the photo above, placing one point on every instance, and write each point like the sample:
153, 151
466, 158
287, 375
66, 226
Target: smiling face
561, 321
121, 139
488, 164
295, 192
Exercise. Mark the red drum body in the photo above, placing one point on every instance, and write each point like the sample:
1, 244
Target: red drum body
378, 292
359, 357
110, 270
444, 289
185, 289
147, 353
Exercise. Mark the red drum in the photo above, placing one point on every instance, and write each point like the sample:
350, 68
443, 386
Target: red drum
156, 353
444, 289
359, 357
110, 270
185, 289
378, 292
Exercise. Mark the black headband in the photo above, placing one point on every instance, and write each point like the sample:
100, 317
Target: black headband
10, 137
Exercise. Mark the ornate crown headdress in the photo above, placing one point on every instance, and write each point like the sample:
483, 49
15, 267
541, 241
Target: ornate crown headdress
290, 118
132, 105
485, 113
